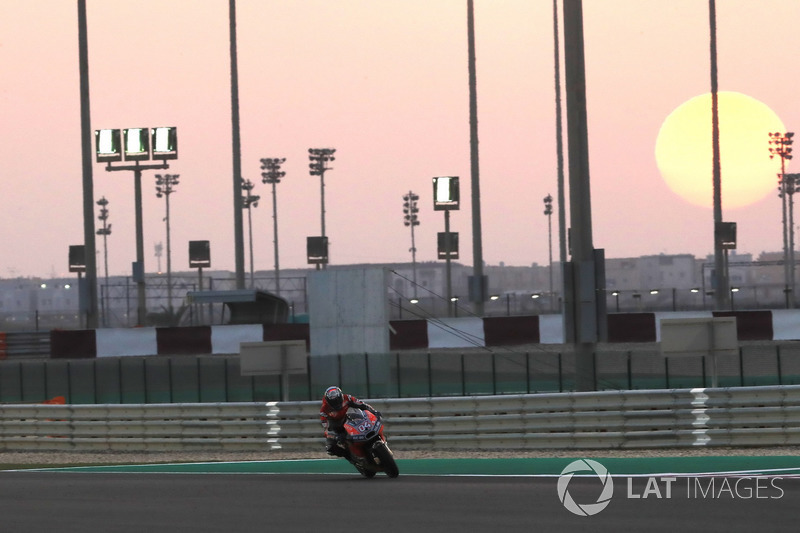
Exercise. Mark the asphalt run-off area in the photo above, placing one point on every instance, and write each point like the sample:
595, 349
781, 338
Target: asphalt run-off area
726, 493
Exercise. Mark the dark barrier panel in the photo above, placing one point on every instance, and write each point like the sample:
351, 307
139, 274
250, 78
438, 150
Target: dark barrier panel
288, 332
212, 375
632, 327
408, 335
132, 380
193, 340
157, 379
413, 375
10, 382
613, 370
107, 380
240, 388
759, 365
73, 344
545, 372
325, 372
511, 373
82, 382
504, 330
788, 361
687, 373
57, 375
751, 325
728, 370
446, 374
185, 379
478, 374
33, 381
650, 371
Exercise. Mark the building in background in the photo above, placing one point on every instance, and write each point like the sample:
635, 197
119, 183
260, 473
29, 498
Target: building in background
649, 283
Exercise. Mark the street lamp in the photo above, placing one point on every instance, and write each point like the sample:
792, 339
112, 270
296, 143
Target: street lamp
165, 186
247, 201
411, 219
780, 145
548, 211
272, 174
134, 144
105, 231
319, 158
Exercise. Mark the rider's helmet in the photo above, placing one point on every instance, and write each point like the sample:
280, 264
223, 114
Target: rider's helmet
334, 397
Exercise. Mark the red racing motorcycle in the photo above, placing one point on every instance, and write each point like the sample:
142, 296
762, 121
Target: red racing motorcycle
367, 446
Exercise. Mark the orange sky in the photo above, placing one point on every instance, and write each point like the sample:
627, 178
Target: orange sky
385, 83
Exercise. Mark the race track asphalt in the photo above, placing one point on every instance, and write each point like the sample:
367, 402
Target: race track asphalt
235, 502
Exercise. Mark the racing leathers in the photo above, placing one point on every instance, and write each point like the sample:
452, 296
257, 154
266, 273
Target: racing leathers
333, 422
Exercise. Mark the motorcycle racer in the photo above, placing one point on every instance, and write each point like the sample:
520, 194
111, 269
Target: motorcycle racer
334, 408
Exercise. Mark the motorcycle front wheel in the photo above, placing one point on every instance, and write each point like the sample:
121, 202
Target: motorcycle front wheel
365, 472
385, 459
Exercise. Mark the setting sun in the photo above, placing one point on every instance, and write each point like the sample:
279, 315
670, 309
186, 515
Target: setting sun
684, 152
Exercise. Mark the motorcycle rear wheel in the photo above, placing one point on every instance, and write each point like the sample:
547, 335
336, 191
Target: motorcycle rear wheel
386, 460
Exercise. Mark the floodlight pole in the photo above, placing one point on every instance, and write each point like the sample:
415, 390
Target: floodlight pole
548, 211
90, 303
273, 175
581, 280
238, 230
319, 158
790, 188
248, 201
139, 277
165, 186
477, 239
782, 143
722, 295
411, 219
105, 231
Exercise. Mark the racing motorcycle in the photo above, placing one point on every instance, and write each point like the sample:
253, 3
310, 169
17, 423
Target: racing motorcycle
367, 447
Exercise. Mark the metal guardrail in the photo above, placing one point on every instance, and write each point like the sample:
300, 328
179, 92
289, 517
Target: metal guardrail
741, 416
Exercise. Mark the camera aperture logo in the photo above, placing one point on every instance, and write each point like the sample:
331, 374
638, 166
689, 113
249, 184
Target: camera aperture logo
743, 485
590, 467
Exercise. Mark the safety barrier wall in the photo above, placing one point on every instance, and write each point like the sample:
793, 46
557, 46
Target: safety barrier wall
464, 332
746, 416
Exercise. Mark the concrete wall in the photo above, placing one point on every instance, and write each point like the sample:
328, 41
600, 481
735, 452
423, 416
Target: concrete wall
348, 311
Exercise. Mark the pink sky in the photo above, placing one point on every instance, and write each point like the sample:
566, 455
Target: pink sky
385, 83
